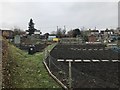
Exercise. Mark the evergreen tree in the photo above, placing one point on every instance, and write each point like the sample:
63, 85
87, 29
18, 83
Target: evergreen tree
76, 32
31, 28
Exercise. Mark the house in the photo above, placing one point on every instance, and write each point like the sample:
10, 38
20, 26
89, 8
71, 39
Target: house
8, 34
108, 32
42, 37
92, 38
37, 32
106, 35
117, 31
94, 32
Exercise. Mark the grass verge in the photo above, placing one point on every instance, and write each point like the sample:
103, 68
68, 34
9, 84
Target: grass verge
28, 71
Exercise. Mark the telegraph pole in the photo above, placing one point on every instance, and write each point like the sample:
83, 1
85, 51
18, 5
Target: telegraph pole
57, 27
64, 27
95, 28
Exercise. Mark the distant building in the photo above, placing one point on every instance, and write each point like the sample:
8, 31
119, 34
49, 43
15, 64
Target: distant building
109, 32
42, 36
106, 35
117, 31
51, 37
92, 38
94, 32
37, 32
8, 34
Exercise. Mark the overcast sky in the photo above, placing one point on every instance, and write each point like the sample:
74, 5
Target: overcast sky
48, 15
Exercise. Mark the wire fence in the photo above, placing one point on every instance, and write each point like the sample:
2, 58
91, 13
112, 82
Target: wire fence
58, 69
86, 75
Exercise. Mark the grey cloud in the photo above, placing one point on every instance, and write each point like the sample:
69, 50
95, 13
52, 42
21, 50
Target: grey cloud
47, 15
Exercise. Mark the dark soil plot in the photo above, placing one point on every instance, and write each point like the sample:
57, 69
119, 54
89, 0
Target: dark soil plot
104, 73
87, 74
83, 52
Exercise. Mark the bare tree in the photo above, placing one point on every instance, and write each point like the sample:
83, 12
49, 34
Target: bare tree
59, 33
53, 33
17, 31
70, 33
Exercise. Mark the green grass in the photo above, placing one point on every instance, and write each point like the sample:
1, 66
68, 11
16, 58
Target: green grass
50, 46
28, 71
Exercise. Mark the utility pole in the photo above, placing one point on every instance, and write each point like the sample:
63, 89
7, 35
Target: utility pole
64, 31
95, 28
64, 27
57, 28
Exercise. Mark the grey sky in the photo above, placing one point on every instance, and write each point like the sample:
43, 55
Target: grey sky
48, 15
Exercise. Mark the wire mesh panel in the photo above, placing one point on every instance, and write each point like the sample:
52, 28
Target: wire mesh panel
58, 69
86, 72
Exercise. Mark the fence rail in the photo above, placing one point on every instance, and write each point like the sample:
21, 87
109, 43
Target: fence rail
52, 67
